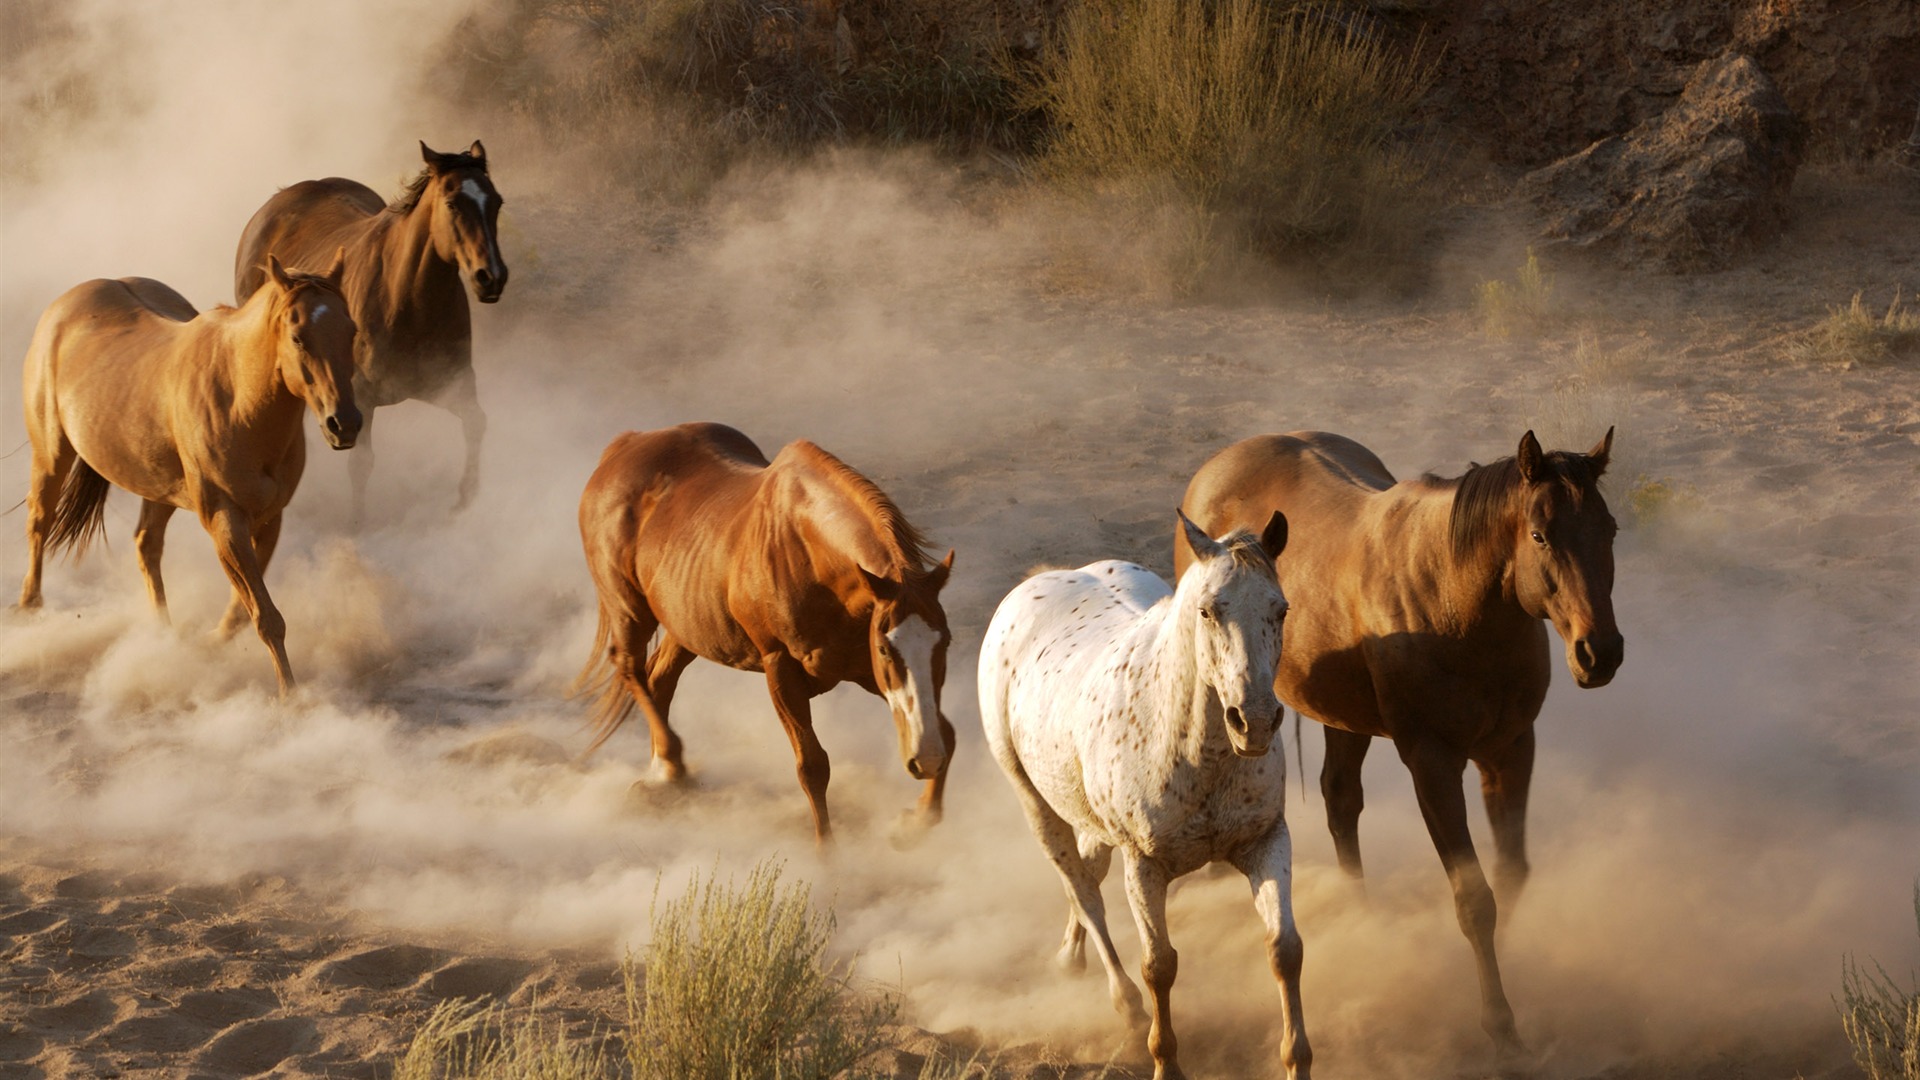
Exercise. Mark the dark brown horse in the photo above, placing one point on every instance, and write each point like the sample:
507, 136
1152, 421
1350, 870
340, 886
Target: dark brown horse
404, 263
128, 386
799, 568
1417, 612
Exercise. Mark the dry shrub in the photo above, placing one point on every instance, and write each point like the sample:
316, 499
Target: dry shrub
467, 1040
737, 986
1524, 306
1277, 126
1853, 334
1881, 1020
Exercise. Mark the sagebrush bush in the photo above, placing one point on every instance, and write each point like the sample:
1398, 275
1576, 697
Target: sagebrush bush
1881, 1020
1280, 125
1853, 333
737, 986
469, 1040
1524, 305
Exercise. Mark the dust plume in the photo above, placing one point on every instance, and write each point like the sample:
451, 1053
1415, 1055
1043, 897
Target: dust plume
1710, 833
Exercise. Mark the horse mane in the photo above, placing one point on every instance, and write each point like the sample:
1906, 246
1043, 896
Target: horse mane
409, 196
1482, 495
1244, 549
909, 543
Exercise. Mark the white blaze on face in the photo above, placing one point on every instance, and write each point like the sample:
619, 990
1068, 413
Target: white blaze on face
472, 190
318, 311
913, 640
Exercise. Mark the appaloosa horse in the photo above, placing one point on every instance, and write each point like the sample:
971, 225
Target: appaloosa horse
404, 263
126, 385
1128, 715
1419, 620
799, 568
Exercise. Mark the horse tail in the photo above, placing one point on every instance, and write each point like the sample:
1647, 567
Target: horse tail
80, 515
1299, 757
601, 677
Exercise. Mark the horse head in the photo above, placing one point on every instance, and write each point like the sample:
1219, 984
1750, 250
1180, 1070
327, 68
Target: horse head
465, 211
1231, 599
908, 638
1563, 554
314, 346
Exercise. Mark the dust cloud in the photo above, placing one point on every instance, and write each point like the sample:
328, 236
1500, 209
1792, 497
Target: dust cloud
1710, 833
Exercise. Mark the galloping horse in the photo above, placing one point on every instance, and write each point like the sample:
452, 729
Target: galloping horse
1128, 715
404, 263
127, 385
1420, 621
799, 568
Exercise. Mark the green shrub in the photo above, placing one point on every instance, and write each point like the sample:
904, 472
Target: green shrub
1854, 334
1276, 124
1881, 1020
737, 987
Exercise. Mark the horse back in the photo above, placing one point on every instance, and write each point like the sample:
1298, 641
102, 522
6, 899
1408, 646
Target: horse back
304, 225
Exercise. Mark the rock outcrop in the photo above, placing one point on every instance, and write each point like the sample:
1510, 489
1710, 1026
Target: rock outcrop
1687, 190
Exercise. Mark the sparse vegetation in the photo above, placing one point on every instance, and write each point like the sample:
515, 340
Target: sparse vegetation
468, 1040
1881, 1020
1524, 306
1277, 125
1853, 334
1654, 500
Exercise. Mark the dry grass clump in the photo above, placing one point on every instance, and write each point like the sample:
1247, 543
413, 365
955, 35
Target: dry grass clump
1278, 125
1881, 1020
467, 1040
1854, 334
1523, 306
737, 986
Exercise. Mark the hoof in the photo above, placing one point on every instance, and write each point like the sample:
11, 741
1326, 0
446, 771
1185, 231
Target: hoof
910, 829
1071, 960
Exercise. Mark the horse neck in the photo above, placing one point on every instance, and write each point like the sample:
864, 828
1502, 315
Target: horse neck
1474, 589
247, 358
845, 527
412, 273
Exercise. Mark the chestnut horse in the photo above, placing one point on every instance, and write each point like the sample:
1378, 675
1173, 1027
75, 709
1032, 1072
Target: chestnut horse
799, 568
404, 263
1417, 617
128, 386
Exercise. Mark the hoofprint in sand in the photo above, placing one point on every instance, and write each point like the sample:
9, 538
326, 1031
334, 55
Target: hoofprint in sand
1710, 833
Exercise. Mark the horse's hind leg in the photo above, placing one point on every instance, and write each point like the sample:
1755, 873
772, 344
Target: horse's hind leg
50, 467
462, 399
1269, 870
1096, 857
669, 659
1505, 777
150, 540
232, 534
1340, 787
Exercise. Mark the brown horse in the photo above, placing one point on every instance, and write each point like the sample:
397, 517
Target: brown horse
404, 263
1417, 611
128, 386
799, 568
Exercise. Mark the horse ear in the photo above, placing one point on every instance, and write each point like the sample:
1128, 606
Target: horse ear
278, 272
338, 271
477, 152
937, 577
1273, 538
1204, 546
427, 153
1531, 459
882, 588
1600, 452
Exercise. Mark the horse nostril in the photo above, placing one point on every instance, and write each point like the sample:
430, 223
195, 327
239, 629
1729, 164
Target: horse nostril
333, 424
1236, 719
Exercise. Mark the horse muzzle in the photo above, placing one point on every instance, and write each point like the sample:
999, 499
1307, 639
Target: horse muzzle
1247, 742
925, 766
1594, 660
342, 428
488, 283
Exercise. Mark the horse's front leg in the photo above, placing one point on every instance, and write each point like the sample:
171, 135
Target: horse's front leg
932, 798
266, 538
232, 532
1436, 770
1505, 778
462, 399
1269, 869
1340, 788
360, 464
1147, 894
792, 690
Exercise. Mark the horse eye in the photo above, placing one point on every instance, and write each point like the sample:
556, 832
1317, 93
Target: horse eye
1207, 614
1538, 538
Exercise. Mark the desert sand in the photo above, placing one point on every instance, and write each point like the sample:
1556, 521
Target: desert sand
198, 879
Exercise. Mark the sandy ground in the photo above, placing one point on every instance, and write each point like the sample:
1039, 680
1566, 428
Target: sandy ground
197, 879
